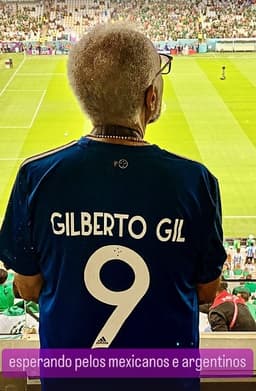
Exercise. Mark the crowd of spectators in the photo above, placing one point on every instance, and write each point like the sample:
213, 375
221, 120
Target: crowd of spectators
161, 20
20, 20
241, 260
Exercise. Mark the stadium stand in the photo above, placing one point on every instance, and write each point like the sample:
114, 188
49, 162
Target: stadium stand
159, 19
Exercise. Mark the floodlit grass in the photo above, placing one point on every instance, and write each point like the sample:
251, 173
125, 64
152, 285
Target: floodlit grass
203, 117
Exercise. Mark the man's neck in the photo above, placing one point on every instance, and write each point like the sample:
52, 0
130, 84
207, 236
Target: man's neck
116, 134
117, 131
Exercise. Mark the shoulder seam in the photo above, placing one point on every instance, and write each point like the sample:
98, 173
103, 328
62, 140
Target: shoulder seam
47, 153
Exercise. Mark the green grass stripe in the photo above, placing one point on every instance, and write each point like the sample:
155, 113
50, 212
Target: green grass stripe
60, 118
172, 131
238, 91
222, 143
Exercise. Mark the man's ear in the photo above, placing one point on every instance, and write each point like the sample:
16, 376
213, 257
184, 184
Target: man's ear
150, 99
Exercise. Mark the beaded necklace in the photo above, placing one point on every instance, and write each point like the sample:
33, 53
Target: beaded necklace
118, 137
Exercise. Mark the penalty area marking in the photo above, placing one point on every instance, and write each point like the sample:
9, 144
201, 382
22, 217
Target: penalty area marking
33, 118
13, 76
37, 109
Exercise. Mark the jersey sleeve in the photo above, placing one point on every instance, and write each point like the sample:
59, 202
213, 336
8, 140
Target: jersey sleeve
16, 246
212, 252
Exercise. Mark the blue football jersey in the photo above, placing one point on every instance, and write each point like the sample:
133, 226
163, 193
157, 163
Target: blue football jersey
121, 235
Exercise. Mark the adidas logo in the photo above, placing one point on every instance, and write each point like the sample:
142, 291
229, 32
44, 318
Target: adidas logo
102, 341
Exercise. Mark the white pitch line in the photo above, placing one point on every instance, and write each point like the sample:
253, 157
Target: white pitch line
35, 114
14, 127
40, 74
12, 90
37, 109
12, 77
33, 118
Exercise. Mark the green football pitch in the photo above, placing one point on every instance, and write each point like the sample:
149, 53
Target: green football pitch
203, 118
